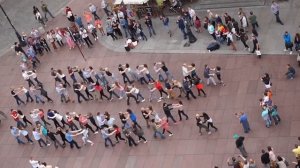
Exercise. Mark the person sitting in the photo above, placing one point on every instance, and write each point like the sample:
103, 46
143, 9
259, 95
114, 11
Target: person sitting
130, 44
291, 72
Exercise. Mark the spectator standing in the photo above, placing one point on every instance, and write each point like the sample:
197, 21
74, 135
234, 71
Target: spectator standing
275, 11
149, 25
46, 11
252, 20
240, 145
244, 121
265, 159
93, 10
181, 26
288, 42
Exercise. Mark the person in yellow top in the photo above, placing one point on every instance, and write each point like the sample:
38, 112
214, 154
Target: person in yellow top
296, 150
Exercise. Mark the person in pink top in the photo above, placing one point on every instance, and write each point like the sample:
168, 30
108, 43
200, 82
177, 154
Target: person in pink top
165, 126
87, 16
98, 25
70, 41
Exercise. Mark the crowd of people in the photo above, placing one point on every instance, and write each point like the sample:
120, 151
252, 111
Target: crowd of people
129, 82
121, 22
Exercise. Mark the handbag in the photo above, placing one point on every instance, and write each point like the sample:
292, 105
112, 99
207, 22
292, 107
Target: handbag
298, 57
258, 53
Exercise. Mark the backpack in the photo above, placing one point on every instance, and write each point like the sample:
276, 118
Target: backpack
44, 131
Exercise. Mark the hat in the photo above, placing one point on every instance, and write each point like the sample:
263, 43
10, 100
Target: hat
235, 136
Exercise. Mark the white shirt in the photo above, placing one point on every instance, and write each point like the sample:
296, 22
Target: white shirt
211, 29
229, 35
60, 75
266, 99
24, 90
34, 163
103, 4
244, 21
120, 14
24, 132
58, 37
110, 122
136, 90
185, 71
33, 75
145, 70
38, 15
85, 133
59, 90
36, 135
90, 27
35, 117
100, 119
93, 8
25, 75
272, 156
58, 117
50, 38
83, 33
192, 13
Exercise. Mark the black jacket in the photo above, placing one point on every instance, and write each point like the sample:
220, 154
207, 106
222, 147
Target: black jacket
265, 158
239, 142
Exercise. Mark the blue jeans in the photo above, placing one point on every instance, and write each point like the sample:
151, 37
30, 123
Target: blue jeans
169, 75
38, 99
290, 75
19, 140
276, 119
20, 123
184, 33
150, 78
159, 133
139, 95
160, 77
268, 122
73, 78
151, 30
125, 29
246, 126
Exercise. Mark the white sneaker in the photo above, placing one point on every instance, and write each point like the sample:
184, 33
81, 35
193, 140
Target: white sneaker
170, 135
95, 39
209, 133
285, 50
96, 132
291, 52
92, 144
145, 141
143, 100
48, 144
120, 98
159, 100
